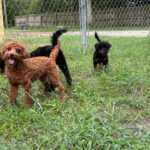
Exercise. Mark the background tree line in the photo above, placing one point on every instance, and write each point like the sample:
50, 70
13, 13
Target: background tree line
24, 7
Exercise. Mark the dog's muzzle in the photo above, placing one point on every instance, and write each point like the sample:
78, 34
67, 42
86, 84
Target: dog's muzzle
11, 59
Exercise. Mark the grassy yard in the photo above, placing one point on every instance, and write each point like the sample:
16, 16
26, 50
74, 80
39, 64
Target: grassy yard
105, 110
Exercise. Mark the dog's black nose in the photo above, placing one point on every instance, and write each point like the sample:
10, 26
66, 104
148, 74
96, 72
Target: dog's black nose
11, 55
104, 51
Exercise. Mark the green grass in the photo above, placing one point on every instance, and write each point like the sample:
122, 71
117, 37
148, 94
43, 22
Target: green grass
100, 107
76, 27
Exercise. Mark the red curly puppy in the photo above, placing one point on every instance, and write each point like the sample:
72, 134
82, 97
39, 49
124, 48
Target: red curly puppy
21, 71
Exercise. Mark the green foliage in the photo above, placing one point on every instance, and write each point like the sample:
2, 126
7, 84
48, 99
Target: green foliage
105, 109
25, 7
103, 4
57, 6
20, 7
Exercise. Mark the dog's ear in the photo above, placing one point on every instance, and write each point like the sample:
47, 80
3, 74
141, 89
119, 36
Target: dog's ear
25, 52
25, 55
0, 56
97, 46
109, 45
3, 52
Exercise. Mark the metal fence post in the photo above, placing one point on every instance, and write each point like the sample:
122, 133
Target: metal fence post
5, 13
83, 23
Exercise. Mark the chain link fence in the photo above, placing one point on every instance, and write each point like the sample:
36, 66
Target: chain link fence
39, 18
119, 14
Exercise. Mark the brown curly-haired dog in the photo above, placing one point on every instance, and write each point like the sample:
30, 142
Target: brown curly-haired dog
21, 70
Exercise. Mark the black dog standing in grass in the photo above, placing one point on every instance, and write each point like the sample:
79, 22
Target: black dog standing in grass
2, 64
60, 60
46, 51
100, 56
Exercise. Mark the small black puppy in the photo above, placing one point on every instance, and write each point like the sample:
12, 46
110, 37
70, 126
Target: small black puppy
60, 60
100, 56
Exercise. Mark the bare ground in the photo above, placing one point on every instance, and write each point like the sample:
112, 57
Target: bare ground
145, 123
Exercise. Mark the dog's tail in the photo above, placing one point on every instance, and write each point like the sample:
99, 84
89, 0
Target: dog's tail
55, 36
96, 36
55, 51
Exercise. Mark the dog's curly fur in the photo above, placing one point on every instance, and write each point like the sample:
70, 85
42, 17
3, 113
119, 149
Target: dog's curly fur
21, 70
100, 56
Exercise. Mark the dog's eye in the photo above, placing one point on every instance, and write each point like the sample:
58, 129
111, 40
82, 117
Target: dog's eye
18, 50
8, 48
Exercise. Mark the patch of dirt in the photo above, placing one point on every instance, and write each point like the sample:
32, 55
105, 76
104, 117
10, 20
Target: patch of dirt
144, 123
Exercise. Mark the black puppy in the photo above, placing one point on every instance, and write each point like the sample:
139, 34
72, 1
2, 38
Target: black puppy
100, 56
60, 60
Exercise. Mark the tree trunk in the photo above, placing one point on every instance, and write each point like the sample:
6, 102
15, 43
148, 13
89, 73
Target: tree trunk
89, 12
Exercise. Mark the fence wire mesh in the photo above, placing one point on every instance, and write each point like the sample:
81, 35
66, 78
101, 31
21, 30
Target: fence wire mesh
39, 18
119, 14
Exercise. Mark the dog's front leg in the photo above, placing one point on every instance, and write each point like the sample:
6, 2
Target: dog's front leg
13, 94
105, 63
95, 65
27, 88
